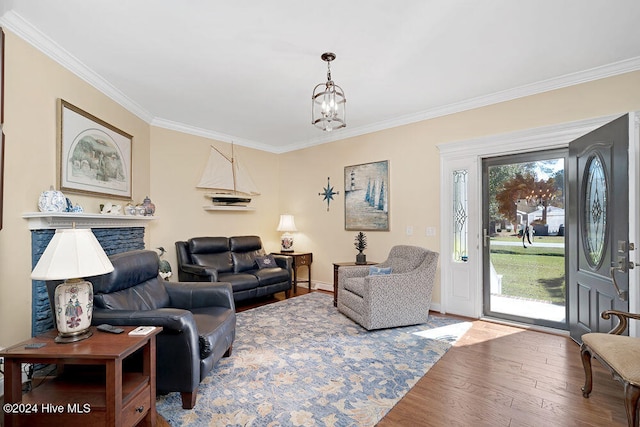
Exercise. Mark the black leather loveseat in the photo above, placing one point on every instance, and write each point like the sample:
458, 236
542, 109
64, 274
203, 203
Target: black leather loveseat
198, 319
233, 260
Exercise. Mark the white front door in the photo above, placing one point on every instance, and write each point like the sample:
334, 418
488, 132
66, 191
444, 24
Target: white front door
461, 278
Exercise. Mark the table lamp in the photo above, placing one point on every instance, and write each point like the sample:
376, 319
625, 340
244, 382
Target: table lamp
72, 254
287, 225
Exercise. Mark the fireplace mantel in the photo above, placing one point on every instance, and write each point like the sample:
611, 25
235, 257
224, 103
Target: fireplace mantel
53, 220
115, 233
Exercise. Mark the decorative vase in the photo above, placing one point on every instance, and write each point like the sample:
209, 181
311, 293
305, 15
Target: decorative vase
286, 242
52, 201
361, 258
150, 208
74, 309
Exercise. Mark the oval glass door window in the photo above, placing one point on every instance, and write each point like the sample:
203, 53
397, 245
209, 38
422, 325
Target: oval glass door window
595, 211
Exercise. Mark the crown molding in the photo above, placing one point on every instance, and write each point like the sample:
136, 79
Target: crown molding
25, 30
18, 25
218, 136
609, 70
543, 138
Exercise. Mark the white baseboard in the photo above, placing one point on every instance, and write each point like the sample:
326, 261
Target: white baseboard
321, 286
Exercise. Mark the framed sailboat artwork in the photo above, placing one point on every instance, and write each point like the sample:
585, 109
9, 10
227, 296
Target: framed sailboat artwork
229, 184
366, 197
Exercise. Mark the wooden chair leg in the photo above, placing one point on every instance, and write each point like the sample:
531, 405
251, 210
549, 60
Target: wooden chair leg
228, 352
585, 353
631, 395
189, 398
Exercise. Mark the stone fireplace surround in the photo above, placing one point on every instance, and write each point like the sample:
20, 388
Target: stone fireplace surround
116, 233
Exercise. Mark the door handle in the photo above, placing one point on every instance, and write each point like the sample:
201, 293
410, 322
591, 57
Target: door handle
485, 237
622, 267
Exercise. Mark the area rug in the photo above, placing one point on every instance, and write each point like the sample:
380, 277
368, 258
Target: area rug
299, 362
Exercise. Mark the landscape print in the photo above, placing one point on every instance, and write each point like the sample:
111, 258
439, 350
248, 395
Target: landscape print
366, 200
95, 157
96, 160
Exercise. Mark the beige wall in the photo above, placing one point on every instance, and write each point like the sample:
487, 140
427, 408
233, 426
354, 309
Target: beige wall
415, 168
33, 84
413, 192
168, 164
177, 163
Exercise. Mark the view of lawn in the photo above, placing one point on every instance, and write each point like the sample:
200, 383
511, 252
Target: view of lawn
534, 272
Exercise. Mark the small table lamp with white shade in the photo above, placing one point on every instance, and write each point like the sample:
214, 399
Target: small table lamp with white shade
287, 225
72, 254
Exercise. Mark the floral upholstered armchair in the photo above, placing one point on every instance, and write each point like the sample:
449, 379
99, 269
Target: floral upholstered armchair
394, 293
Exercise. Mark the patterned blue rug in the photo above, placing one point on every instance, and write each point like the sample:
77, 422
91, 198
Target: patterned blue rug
299, 362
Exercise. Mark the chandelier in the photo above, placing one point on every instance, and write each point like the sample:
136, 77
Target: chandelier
328, 102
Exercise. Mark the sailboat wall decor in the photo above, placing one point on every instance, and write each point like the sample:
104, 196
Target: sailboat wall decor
230, 185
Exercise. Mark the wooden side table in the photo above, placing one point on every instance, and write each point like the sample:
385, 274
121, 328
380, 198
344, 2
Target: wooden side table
299, 259
104, 396
336, 266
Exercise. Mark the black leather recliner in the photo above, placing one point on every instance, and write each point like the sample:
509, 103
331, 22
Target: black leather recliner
199, 319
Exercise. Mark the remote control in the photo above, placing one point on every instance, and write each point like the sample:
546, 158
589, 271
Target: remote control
108, 328
35, 345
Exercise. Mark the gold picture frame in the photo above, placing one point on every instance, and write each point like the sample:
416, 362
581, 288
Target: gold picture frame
94, 156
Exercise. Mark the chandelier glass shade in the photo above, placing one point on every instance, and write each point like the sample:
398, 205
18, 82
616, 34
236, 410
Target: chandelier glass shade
328, 103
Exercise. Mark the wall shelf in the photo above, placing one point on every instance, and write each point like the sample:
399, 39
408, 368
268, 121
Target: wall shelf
228, 208
52, 220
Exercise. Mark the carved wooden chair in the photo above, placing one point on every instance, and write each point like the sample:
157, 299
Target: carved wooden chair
618, 353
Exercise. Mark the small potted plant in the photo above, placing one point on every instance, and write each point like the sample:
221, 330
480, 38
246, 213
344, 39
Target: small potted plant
361, 244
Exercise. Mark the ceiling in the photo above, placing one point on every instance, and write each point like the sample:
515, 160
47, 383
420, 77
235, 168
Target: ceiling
244, 71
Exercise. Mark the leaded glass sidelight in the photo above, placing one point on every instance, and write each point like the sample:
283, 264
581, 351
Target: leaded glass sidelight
595, 210
460, 215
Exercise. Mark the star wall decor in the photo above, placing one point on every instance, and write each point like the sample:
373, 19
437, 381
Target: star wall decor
328, 193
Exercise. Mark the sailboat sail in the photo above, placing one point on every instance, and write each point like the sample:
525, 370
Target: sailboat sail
227, 179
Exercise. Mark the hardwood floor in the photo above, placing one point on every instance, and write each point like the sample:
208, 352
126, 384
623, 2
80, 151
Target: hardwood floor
499, 375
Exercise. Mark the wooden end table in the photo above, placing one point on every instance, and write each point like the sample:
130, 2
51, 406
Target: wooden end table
336, 266
105, 396
299, 259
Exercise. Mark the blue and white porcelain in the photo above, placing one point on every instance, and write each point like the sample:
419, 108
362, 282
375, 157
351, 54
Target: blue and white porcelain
52, 201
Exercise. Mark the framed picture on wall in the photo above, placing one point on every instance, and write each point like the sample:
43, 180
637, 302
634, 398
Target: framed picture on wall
366, 197
94, 156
